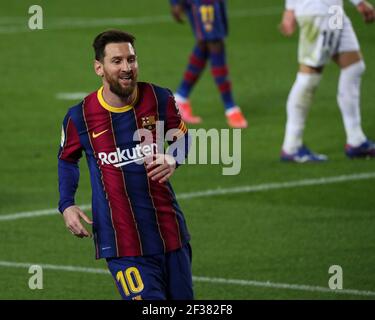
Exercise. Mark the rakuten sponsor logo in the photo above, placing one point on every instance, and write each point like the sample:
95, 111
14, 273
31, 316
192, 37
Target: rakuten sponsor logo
123, 157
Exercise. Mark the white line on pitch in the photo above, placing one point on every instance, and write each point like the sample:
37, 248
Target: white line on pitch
11, 264
9, 25
250, 283
37, 213
220, 191
71, 95
278, 185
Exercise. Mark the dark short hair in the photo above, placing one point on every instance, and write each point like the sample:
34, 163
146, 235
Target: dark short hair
110, 36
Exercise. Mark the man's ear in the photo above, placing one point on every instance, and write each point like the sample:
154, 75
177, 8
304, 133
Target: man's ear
98, 67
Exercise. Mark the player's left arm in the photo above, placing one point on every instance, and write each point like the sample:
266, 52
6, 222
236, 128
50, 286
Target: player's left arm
177, 136
161, 168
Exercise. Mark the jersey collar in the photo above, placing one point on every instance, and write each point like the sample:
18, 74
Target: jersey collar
110, 108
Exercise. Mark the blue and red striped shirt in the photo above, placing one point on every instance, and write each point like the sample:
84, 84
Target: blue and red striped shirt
132, 214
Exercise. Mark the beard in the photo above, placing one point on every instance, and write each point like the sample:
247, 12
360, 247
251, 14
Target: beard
120, 90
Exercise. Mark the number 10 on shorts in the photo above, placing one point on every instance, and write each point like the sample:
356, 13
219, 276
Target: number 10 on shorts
130, 280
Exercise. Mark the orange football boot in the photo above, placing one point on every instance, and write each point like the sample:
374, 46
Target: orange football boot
236, 119
187, 113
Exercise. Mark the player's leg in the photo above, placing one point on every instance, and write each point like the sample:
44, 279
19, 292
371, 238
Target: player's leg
218, 30
209, 23
179, 275
312, 57
348, 97
298, 104
219, 70
196, 64
352, 66
139, 278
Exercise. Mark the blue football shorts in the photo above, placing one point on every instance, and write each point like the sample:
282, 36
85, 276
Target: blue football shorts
156, 277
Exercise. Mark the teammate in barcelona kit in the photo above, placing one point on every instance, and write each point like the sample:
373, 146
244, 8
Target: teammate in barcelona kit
321, 40
138, 226
208, 19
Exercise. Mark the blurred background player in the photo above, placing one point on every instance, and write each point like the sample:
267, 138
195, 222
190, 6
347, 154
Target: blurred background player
319, 42
208, 19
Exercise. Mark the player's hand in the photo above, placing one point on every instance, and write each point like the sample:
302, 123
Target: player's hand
288, 23
367, 11
178, 13
161, 168
72, 217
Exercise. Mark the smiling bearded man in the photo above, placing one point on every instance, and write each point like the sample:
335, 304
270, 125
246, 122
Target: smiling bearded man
138, 226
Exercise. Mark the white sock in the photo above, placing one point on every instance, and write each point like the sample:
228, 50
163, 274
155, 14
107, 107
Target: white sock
348, 98
179, 98
299, 101
230, 111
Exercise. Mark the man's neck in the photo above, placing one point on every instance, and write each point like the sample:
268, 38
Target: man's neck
116, 101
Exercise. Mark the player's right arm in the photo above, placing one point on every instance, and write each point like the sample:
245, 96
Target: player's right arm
177, 10
366, 9
289, 23
72, 217
68, 171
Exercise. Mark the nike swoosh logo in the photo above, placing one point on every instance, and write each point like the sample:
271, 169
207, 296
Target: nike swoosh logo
95, 135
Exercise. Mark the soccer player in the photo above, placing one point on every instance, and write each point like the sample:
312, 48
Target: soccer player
208, 19
321, 40
138, 226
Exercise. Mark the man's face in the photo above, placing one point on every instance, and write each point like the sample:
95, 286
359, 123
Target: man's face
119, 68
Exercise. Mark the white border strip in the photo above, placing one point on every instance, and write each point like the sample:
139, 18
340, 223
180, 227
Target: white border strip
251, 283
220, 191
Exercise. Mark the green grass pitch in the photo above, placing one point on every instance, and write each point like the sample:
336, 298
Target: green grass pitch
290, 235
